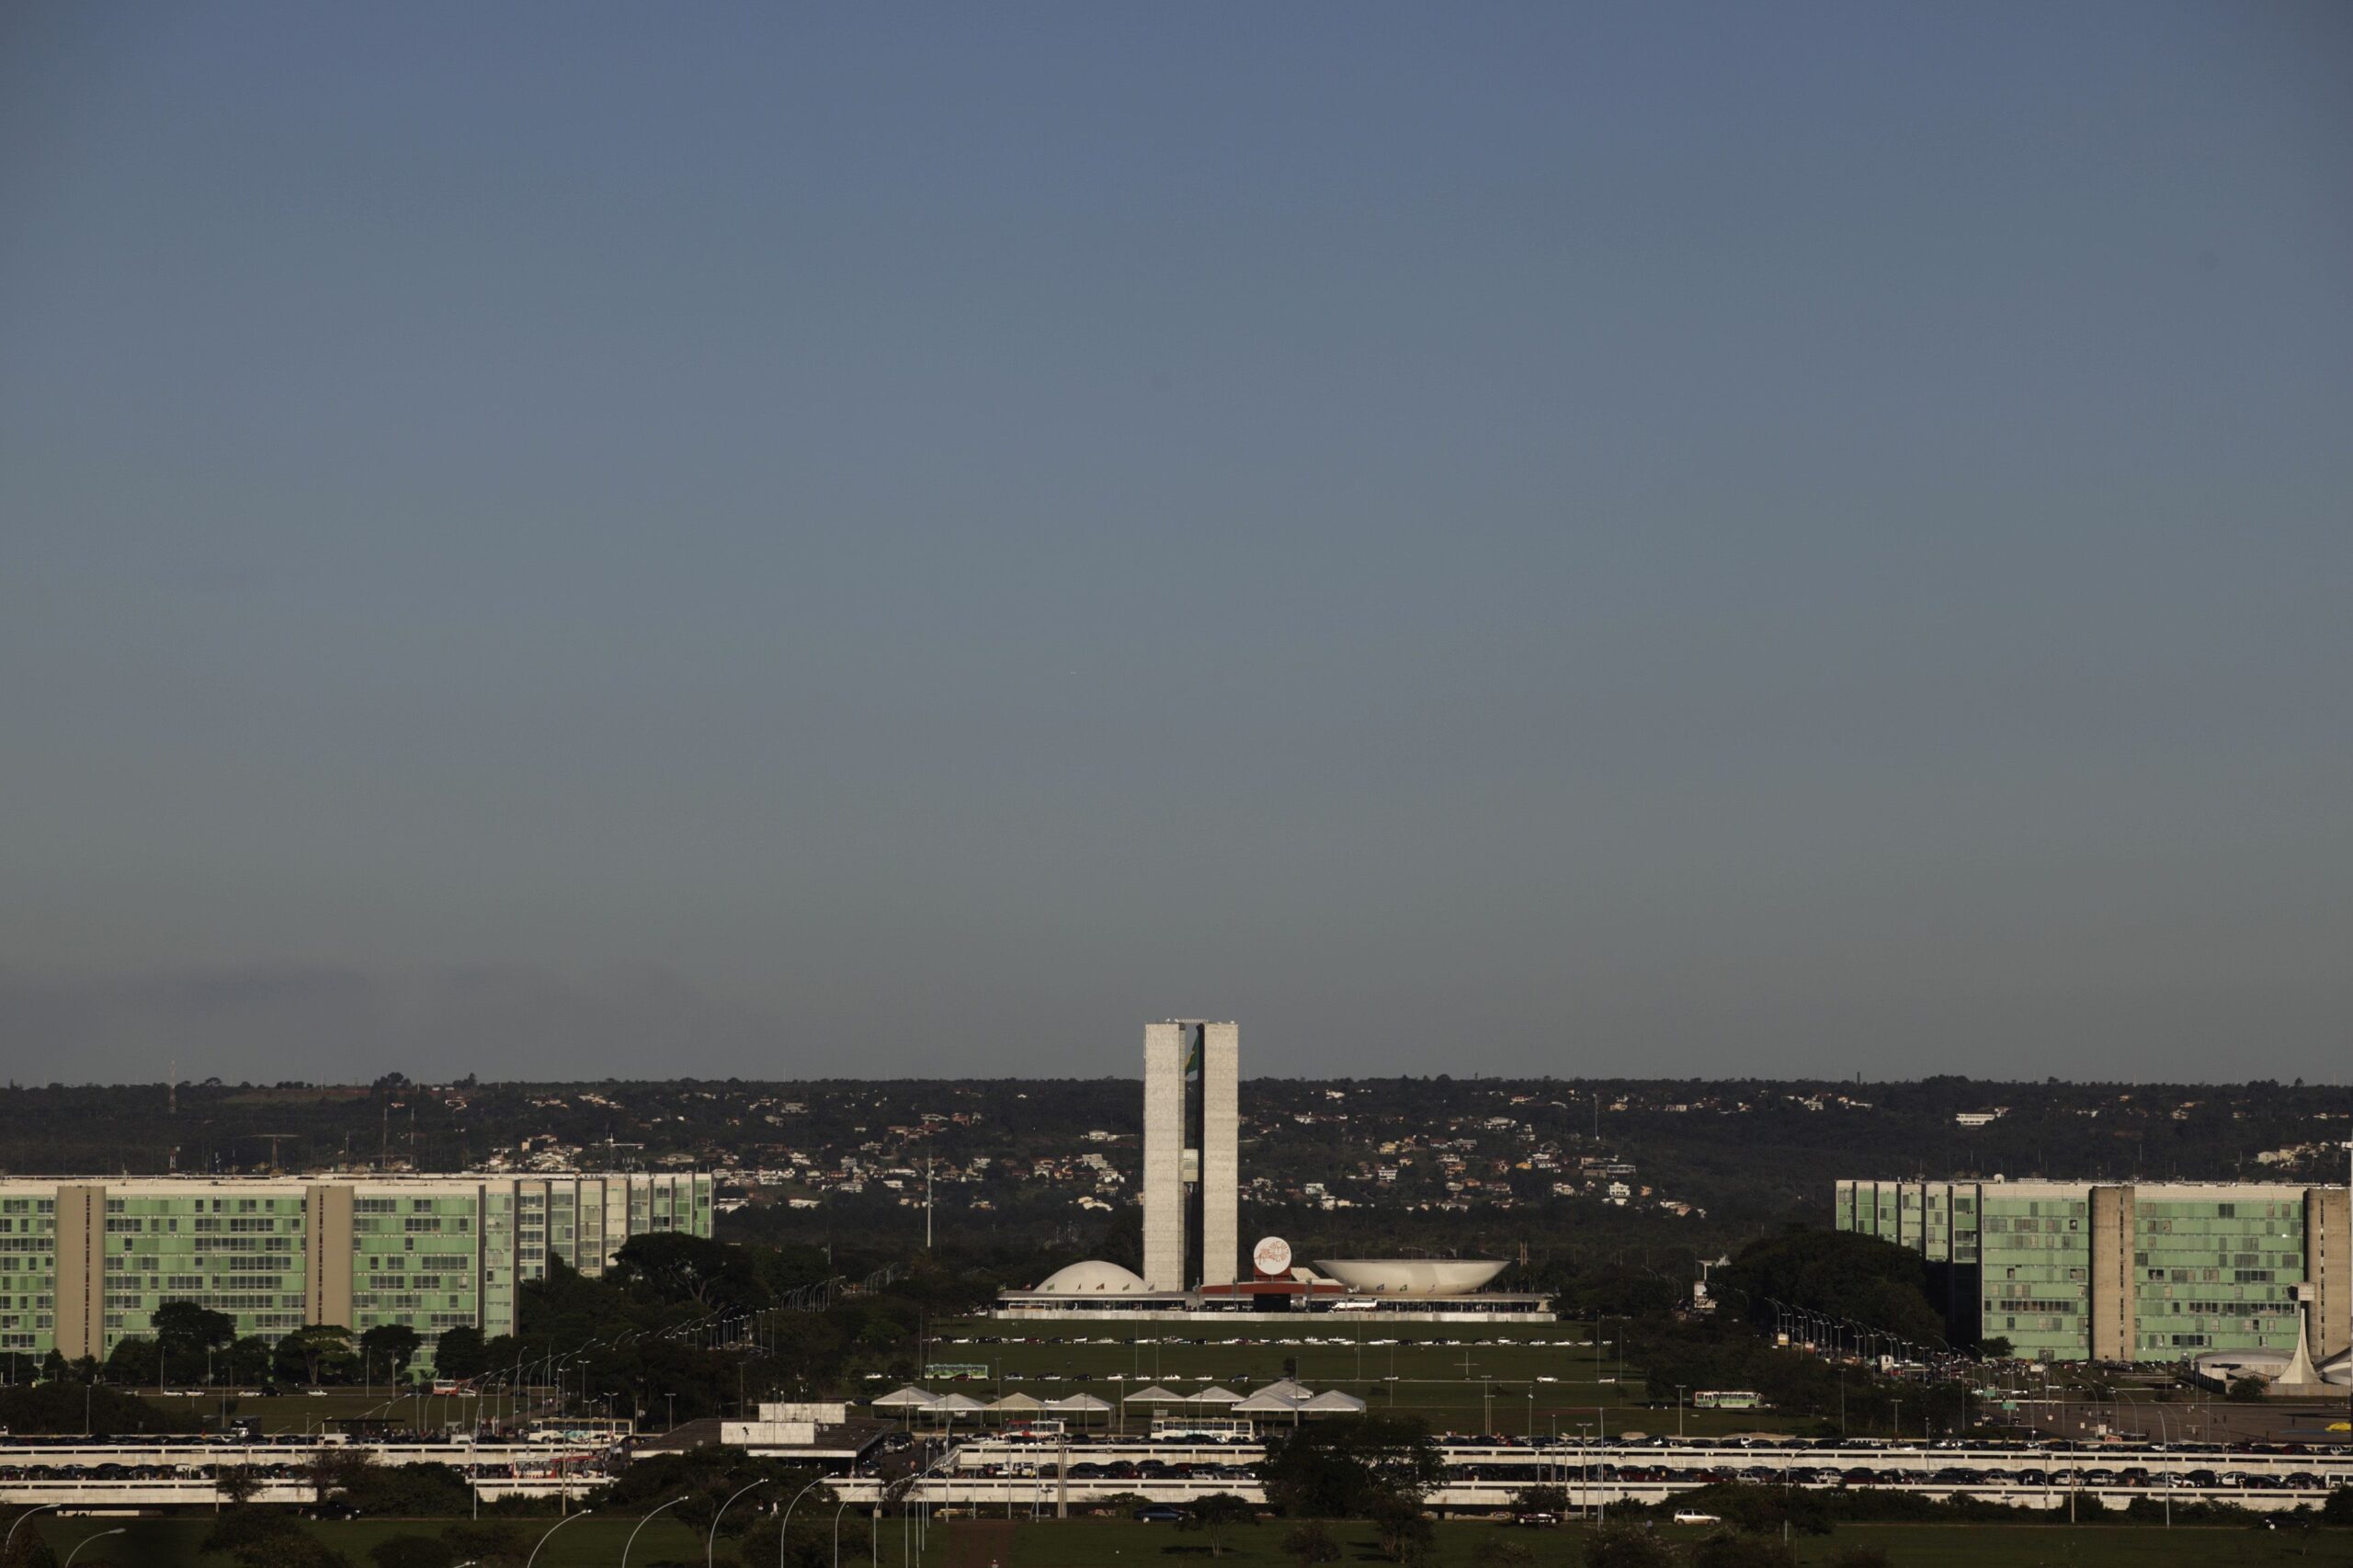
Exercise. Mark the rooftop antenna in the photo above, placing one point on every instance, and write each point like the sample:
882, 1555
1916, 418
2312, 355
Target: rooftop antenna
172, 1089
274, 1139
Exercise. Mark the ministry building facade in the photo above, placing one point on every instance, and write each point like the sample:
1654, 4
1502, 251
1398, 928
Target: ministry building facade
2159, 1271
85, 1262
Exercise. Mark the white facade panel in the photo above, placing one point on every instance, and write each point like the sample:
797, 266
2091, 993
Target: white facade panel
1220, 1153
1163, 1157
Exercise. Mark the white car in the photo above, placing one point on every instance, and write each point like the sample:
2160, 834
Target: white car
1690, 1518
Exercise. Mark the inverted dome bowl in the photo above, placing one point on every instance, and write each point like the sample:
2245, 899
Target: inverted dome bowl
1410, 1276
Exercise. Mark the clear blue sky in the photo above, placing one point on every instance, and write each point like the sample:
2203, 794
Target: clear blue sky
795, 539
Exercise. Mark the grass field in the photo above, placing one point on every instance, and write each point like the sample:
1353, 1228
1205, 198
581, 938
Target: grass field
596, 1542
1464, 1387
590, 1543
310, 1413
1089, 1544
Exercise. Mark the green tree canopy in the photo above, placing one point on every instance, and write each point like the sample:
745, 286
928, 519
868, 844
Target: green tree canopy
133, 1361
1216, 1516
1840, 1274
459, 1353
390, 1344
1335, 1470
317, 1353
677, 1266
1406, 1532
186, 1325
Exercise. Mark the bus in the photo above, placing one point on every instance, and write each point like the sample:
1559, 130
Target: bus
1201, 1429
1726, 1399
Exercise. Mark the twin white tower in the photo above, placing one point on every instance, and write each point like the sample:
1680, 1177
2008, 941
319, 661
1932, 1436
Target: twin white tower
1192, 1134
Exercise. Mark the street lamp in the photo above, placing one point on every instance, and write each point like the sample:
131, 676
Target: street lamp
551, 1529
1585, 1470
102, 1535
10, 1539
710, 1545
787, 1518
642, 1523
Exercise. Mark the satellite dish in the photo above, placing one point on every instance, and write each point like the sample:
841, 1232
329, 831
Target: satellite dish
1272, 1257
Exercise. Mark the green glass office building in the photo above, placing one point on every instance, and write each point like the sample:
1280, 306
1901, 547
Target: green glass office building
85, 1263
2074, 1271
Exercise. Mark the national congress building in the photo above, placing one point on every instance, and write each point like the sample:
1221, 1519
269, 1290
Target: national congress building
84, 1262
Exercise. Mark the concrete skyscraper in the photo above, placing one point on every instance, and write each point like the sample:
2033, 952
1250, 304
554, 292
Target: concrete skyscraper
1192, 1129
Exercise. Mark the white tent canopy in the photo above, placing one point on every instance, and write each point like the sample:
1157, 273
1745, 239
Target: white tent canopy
1333, 1401
1080, 1404
908, 1398
955, 1404
1155, 1394
1019, 1405
1266, 1401
1284, 1386
1216, 1394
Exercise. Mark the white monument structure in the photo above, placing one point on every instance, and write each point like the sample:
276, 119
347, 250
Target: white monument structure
1192, 1165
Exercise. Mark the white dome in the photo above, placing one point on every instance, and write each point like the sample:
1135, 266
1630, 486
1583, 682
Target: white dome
1094, 1276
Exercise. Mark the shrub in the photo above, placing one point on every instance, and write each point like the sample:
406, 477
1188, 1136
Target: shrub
1734, 1549
1625, 1546
1311, 1544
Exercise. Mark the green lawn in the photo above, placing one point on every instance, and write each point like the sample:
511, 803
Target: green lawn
309, 1412
590, 1543
596, 1542
1091, 1544
1458, 1388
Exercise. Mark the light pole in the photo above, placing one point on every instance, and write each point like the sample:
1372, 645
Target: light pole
787, 1517
1678, 1412
1585, 1471
551, 1529
1601, 1463
710, 1544
2162, 1442
642, 1523
11, 1538
102, 1535
838, 1535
